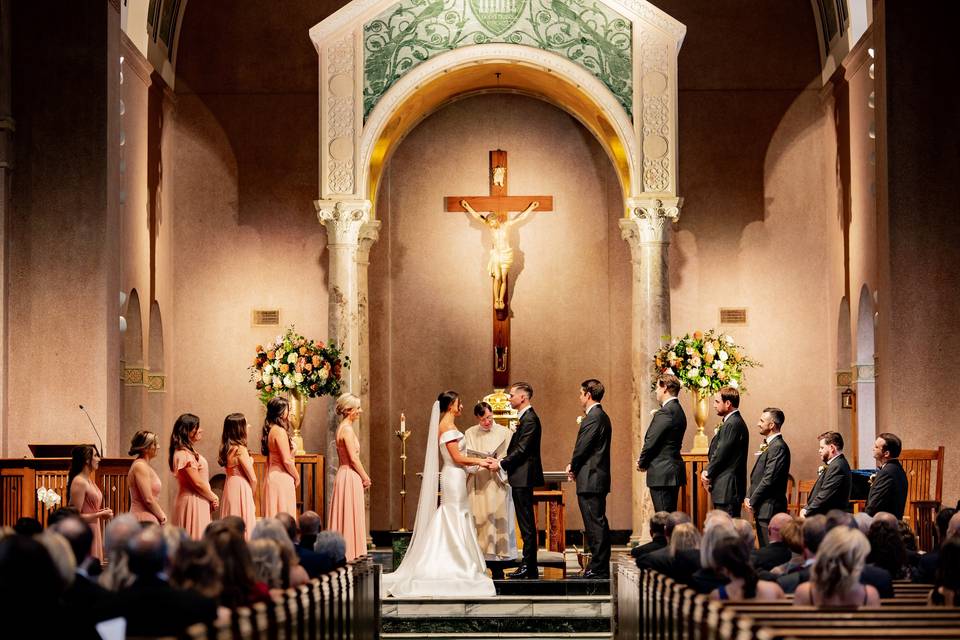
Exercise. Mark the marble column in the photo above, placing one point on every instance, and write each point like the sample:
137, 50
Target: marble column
646, 228
343, 220
369, 233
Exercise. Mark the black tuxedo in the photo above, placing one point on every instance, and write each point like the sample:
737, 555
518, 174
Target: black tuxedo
154, 608
768, 484
832, 488
590, 464
660, 457
727, 466
772, 555
888, 491
679, 568
524, 472
658, 542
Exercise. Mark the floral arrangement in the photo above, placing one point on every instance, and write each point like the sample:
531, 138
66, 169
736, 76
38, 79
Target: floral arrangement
294, 364
705, 362
48, 497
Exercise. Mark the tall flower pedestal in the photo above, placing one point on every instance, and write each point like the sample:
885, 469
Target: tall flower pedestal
298, 406
701, 409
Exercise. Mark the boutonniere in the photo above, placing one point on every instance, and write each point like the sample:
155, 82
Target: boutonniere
579, 420
717, 430
872, 477
763, 448
821, 469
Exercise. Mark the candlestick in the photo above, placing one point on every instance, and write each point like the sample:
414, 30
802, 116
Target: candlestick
403, 422
403, 434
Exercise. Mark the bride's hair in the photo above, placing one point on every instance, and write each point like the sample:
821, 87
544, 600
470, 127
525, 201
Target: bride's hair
446, 400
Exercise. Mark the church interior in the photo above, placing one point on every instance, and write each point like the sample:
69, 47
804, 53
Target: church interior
181, 182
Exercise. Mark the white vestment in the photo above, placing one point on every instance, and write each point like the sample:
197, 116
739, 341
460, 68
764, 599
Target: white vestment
490, 498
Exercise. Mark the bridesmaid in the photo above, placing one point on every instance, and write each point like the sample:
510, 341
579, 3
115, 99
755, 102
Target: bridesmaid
280, 489
143, 481
85, 496
195, 499
347, 505
241, 478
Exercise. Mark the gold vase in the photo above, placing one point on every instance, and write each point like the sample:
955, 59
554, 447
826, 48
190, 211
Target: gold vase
701, 410
298, 406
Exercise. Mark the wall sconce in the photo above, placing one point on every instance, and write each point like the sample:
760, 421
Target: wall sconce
847, 398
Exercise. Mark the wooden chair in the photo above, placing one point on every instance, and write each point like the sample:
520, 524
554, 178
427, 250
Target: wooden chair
923, 489
793, 504
804, 487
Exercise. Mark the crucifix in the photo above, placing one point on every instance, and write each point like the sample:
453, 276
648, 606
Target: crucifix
494, 212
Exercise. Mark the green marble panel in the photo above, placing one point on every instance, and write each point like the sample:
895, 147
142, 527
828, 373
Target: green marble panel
586, 32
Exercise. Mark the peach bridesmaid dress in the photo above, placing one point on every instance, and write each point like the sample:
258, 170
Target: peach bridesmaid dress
279, 490
92, 503
138, 503
237, 497
347, 506
191, 511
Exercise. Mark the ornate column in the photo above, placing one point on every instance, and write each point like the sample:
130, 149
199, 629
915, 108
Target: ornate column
343, 220
646, 229
369, 233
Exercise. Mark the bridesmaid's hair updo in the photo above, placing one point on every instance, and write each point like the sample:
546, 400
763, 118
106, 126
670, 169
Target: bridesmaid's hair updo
446, 400
346, 403
234, 435
180, 436
141, 441
276, 408
81, 458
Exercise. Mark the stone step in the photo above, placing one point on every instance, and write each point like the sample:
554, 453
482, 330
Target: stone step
568, 587
519, 636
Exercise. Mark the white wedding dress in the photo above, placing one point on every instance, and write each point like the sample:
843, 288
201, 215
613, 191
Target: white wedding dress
444, 557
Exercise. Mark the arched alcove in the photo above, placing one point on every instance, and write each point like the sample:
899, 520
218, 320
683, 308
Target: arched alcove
134, 374
844, 363
156, 378
865, 376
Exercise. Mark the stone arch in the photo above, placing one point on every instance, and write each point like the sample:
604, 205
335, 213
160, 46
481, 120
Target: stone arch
865, 376
133, 393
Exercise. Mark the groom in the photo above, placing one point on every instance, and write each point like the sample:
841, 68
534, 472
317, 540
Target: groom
524, 472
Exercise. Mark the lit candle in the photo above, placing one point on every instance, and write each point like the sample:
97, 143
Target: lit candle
403, 422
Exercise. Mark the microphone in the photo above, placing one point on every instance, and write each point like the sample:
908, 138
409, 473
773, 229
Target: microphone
94, 428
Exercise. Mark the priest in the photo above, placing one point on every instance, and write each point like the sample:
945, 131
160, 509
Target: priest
489, 492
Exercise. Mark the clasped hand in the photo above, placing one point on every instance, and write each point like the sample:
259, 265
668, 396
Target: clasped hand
490, 463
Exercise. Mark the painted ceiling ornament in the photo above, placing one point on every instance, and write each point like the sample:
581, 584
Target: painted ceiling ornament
497, 15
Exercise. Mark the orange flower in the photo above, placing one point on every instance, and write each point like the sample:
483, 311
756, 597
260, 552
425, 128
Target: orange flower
303, 351
256, 361
284, 368
315, 360
271, 355
259, 348
268, 388
698, 335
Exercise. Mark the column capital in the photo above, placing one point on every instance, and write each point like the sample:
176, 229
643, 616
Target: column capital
343, 220
646, 218
369, 233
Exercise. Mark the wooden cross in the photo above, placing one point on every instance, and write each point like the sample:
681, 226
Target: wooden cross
494, 211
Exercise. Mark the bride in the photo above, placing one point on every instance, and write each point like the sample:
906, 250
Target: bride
444, 557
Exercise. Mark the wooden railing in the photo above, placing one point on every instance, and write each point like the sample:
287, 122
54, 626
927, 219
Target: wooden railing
20, 479
649, 606
310, 493
341, 604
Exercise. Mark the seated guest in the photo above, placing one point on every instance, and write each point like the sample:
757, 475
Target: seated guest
835, 574
331, 545
708, 577
151, 605
658, 535
86, 602
792, 535
946, 589
832, 488
267, 563
116, 536
746, 534
685, 538
315, 563
240, 586
731, 560
863, 521
887, 550
888, 486
812, 531
59, 550
197, 567
927, 565
776, 552
661, 559
31, 586
838, 518
27, 526
292, 574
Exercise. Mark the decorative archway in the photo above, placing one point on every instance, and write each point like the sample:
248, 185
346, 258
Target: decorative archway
385, 65
864, 374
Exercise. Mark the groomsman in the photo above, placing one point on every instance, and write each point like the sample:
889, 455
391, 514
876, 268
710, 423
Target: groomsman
888, 490
660, 456
768, 479
590, 467
832, 488
726, 474
524, 472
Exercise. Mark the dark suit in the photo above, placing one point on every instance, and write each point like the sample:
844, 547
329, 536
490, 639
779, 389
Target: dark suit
768, 484
86, 603
888, 491
878, 578
590, 463
315, 564
832, 488
660, 456
154, 608
658, 542
770, 556
727, 466
524, 472
679, 568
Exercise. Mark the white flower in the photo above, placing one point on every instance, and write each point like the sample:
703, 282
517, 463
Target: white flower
704, 382
278, 340
288, 382
276, 381
733, 383
728, 339
292, 358
42, 494
298, 377
722, 355
709, 349
719, 365
693, 373
322, 374
267, 371
669, 371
